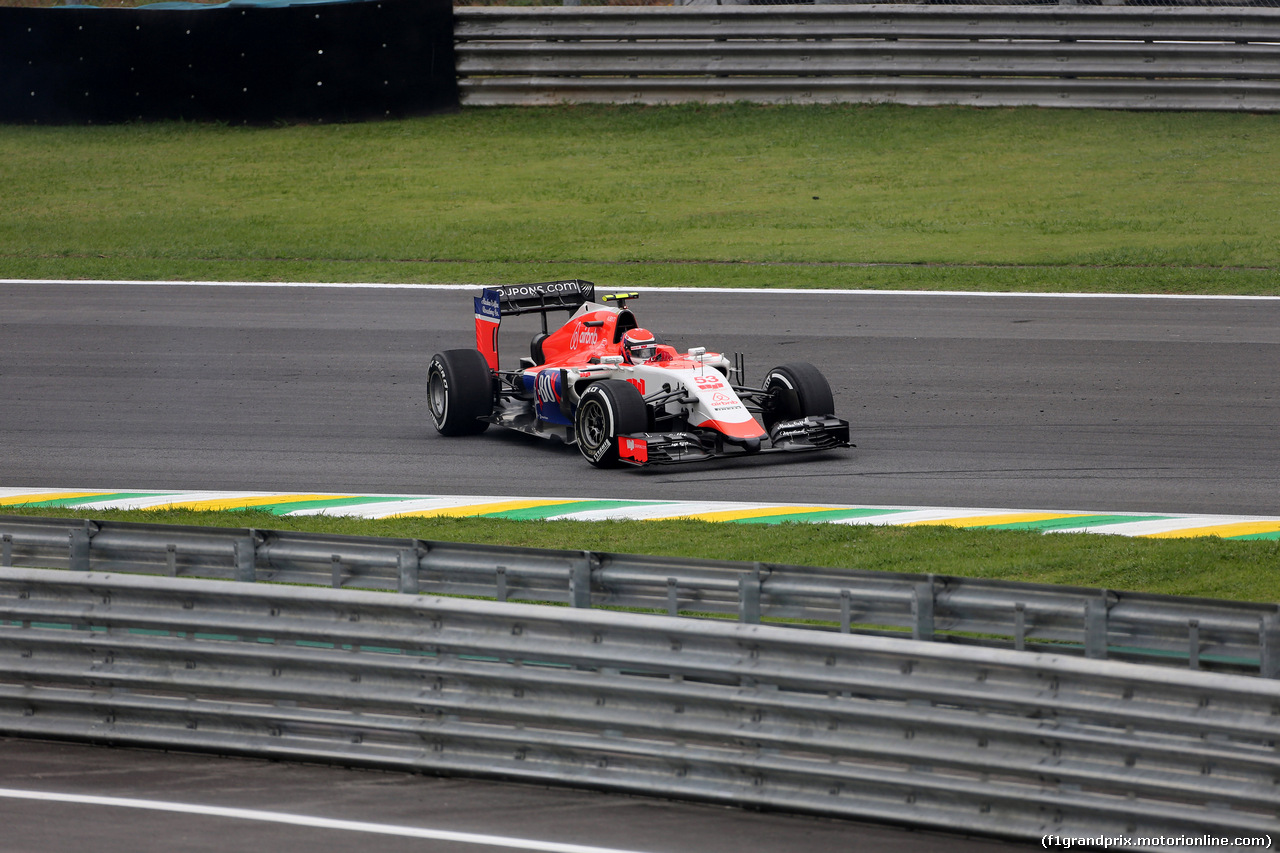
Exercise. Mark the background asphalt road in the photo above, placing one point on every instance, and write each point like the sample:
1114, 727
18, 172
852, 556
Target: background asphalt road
1027, 402
1096, 404
397, 799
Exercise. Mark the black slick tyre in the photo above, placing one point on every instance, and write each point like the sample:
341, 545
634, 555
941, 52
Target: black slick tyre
798, 390
608, 408
459, 392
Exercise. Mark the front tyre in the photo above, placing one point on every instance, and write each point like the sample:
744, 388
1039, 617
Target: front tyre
797, 390
459, 392
607, 409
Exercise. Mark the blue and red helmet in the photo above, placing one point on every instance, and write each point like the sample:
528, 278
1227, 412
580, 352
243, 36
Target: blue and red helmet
638, 346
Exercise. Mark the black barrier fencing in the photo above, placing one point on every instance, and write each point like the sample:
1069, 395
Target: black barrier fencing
252, 61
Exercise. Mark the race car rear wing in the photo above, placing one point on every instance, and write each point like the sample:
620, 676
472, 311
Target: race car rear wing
513, 299
544, 296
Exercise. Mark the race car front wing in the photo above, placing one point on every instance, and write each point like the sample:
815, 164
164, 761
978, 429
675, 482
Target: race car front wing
667, 448
818, 432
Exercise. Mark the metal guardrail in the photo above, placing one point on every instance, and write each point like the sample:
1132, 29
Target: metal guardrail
1098, 623
1219, 58
964, 739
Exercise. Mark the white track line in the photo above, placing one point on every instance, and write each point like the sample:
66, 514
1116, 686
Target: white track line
792, 291
308, 821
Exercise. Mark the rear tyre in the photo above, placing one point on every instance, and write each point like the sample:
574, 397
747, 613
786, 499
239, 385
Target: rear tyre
459, 392
608, 408
798, 390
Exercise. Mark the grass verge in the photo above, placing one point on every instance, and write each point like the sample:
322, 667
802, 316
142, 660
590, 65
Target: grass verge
1207, 567
755, 196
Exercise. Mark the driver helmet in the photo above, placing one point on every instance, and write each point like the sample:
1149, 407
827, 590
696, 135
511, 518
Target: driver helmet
638, 346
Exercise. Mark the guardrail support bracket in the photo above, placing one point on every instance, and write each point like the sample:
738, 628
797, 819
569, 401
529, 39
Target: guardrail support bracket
1095, 628
749, 595
580, 581
1269, 646
922, 610
246, 559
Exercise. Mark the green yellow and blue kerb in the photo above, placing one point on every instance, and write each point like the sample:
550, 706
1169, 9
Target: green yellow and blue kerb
390, 506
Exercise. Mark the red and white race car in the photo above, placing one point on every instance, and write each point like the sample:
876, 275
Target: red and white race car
617, 391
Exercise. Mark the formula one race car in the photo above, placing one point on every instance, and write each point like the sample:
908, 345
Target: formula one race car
619, 392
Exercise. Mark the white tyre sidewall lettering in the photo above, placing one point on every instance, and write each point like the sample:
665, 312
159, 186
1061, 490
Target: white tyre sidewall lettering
437, 373
780, 377
598, 398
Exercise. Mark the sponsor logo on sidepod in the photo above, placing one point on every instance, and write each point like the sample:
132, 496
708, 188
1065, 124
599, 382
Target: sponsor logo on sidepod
547, 390
584, 336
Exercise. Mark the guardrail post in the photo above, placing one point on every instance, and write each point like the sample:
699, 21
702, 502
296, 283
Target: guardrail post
749, 595
78, 545
335, 571
6, 552
1193, 643
1269, 646
846, 611
1020, 626
407, 568
922, 610
580, 581
171, 559
1095, 627
246, 559
673, 596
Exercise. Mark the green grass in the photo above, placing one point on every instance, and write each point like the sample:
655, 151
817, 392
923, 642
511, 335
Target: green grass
838, 196
1207, 567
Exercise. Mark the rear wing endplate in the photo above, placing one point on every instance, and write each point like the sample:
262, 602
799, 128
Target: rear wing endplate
513, 299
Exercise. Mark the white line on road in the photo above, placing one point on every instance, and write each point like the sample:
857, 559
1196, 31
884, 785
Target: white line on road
309, 821
672, 289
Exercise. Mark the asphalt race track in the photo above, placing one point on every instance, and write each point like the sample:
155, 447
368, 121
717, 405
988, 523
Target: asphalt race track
1098, 404
1105, 404
383, 803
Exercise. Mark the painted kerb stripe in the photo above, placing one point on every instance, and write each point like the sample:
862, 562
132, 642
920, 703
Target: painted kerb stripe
599, 509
